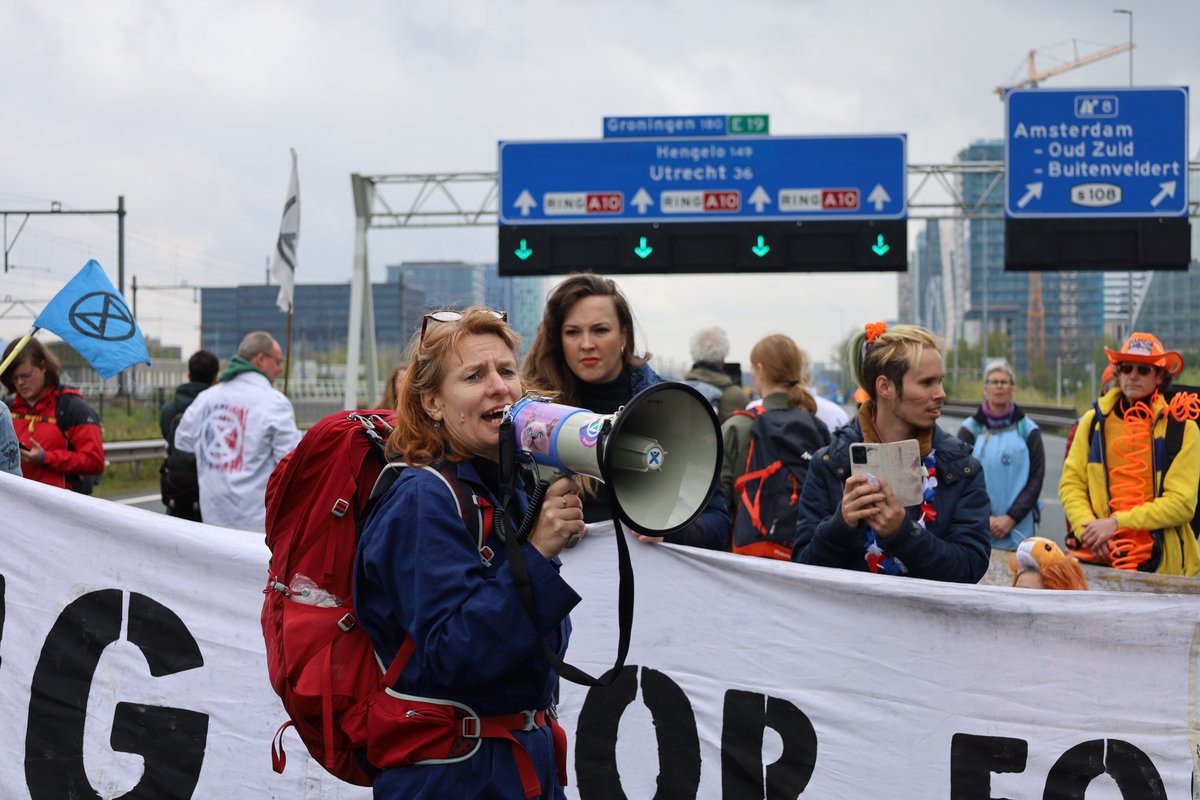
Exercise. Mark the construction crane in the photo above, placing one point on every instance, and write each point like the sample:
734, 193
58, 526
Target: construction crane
1036, 77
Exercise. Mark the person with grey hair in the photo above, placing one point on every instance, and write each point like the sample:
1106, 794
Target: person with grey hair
709, 348
239, 430
1009, 445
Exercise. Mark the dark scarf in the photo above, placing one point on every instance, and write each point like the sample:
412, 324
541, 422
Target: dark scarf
606, 398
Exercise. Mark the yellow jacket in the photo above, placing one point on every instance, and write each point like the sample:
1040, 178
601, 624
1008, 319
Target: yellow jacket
1083, 488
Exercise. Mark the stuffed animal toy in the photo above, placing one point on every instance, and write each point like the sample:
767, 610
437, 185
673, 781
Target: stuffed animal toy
1040, 564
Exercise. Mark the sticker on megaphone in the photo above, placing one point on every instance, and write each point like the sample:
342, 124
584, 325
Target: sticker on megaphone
565, 438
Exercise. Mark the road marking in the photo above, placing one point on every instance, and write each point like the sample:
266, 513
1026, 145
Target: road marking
133, 501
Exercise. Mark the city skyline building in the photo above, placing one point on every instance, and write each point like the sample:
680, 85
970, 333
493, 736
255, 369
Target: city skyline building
960, 287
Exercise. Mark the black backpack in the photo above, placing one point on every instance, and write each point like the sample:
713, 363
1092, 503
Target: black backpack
782, 443
177, 479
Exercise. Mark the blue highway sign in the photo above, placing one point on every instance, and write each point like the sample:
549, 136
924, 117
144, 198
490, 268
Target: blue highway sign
1096, 153
745, 179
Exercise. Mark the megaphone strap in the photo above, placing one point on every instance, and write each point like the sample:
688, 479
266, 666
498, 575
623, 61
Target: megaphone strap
520, 571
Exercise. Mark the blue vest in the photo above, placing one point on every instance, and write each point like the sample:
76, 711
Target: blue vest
1005, 459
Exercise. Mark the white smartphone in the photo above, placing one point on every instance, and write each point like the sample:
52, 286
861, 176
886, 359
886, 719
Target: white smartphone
898, 463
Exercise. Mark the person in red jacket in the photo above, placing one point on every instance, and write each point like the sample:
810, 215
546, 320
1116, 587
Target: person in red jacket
58, 432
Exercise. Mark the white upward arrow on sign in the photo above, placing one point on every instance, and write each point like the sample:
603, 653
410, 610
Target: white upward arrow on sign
759, 199
879, 197
525, 202
641, 200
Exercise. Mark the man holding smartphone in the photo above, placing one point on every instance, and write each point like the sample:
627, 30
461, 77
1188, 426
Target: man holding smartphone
855, 521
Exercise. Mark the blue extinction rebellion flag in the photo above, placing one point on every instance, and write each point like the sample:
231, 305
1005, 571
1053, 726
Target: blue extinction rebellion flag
89, 315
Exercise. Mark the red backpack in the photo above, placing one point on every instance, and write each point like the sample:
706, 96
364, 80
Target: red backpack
321, 663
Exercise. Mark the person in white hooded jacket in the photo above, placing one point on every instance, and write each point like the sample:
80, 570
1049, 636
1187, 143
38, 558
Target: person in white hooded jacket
239, 430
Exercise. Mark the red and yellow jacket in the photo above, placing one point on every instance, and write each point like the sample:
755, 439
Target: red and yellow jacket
68, 430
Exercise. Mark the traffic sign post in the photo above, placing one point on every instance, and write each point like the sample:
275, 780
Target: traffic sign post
704, 204
1096, 179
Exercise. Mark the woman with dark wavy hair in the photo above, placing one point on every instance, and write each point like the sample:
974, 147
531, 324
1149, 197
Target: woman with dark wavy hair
585, 351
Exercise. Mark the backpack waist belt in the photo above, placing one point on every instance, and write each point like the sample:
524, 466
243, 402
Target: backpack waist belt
501, 726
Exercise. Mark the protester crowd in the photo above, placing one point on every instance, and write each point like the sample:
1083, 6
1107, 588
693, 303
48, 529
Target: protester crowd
433, 590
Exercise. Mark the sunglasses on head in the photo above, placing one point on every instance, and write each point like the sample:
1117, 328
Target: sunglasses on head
1142, 369
454, 316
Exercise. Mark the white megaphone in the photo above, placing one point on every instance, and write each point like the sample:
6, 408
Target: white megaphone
660, 453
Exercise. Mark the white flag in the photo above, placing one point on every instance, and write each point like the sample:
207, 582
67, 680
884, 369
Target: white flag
284, 267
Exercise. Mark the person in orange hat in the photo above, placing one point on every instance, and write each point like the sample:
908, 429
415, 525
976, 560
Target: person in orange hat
1126, 506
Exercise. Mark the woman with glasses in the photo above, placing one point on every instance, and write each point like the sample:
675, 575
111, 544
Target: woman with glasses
584, 350
423, 581
58, 432
1009, 446
1128, 497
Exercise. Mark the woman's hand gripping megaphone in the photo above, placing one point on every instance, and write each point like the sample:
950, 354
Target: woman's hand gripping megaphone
560, 521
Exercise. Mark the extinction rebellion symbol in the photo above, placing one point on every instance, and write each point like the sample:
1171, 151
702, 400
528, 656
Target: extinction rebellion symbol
102, 315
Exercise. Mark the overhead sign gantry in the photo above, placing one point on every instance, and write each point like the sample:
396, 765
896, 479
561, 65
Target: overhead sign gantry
703, 204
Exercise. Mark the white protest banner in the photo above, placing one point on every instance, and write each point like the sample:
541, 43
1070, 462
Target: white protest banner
132, 664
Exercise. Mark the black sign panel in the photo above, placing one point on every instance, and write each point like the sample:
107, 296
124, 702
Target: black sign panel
844, 246
1120, 244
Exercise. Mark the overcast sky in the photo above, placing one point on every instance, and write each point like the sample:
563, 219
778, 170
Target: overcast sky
189, 109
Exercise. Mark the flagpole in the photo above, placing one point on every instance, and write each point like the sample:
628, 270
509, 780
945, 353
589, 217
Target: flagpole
17, 350
287, 368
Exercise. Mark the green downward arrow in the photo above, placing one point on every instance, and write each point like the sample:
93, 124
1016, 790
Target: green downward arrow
642, 250
760, 249
522, 252
880, 247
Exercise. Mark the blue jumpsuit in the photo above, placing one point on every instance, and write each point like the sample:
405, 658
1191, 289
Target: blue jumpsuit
419, 570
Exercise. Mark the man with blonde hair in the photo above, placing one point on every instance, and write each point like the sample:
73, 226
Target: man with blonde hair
239, 430
853, 522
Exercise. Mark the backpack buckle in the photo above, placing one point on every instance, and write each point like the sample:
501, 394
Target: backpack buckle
470, 727
486, 554
340, 507
530, 720
347, 623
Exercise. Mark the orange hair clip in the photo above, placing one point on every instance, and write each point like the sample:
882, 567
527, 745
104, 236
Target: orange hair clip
874, 330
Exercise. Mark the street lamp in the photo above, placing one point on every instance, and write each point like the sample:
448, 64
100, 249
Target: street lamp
1129, 13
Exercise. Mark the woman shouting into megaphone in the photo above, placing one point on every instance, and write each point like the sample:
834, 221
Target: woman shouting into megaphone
434, 586
584, 351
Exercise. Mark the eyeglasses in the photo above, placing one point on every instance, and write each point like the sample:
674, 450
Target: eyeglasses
454, 316
998, 383
1142, 369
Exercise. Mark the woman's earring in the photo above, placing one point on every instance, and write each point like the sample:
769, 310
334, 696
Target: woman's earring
437, 423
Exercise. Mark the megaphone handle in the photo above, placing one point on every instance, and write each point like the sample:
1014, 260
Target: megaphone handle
516, 560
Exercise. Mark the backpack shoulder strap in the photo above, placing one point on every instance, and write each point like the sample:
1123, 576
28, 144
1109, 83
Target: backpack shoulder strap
476, 512
752, 413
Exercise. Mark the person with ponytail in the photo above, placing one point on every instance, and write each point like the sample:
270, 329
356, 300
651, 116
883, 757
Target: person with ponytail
1129, 496
777, 368
768, 450
850, 522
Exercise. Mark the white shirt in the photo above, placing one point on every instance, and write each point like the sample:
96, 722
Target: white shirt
829, 412
239, 430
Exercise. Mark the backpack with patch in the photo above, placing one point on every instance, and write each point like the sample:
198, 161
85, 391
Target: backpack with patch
321, 663
177, 479
782, 443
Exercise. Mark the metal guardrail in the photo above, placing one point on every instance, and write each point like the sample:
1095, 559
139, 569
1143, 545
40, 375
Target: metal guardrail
1056, 416
133, 451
